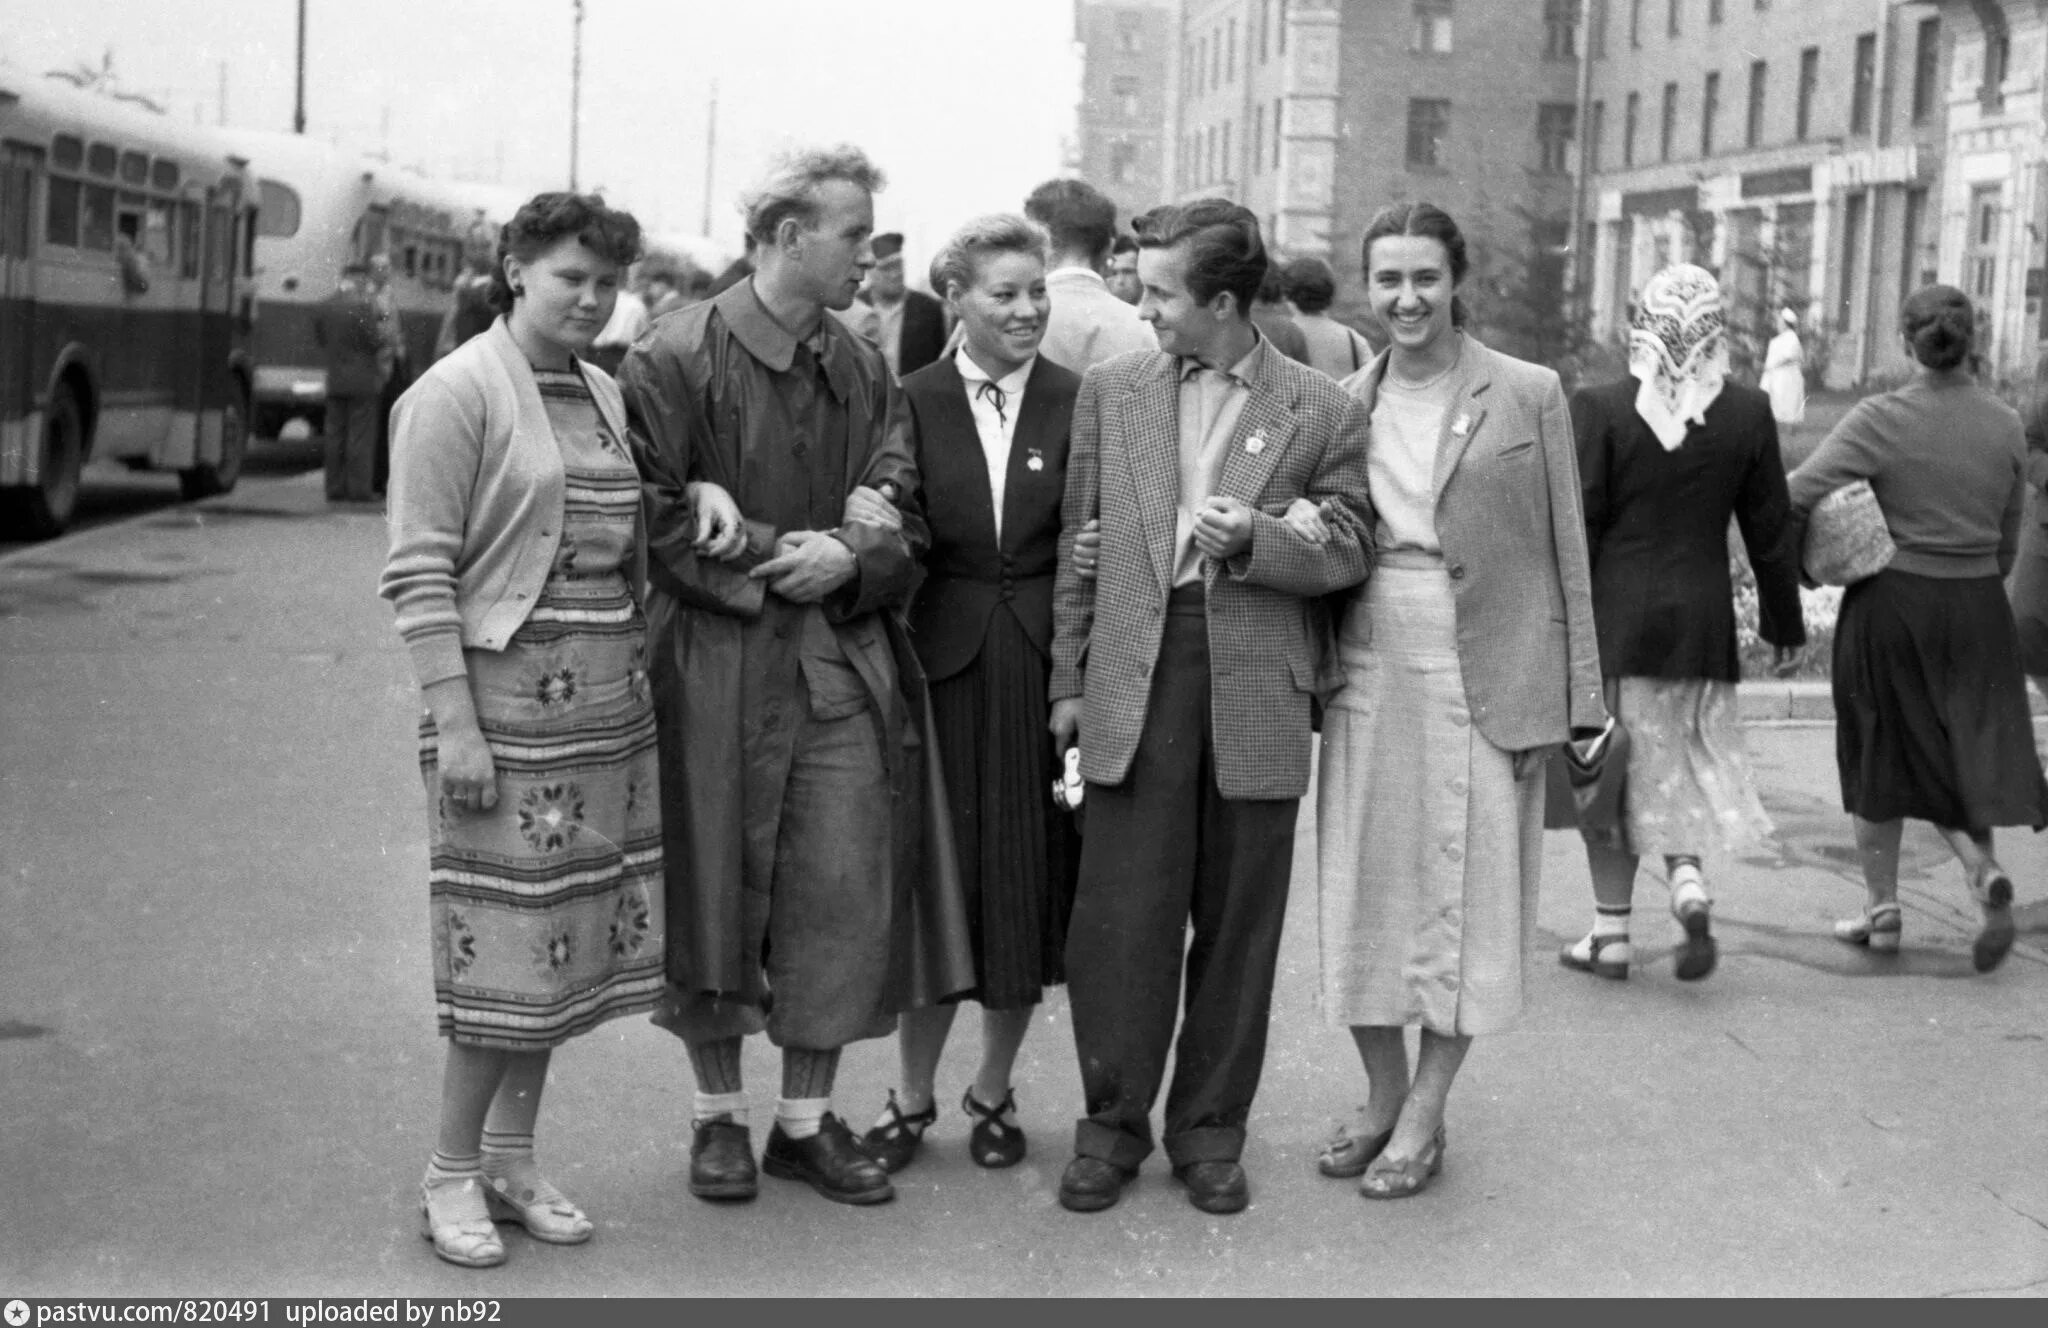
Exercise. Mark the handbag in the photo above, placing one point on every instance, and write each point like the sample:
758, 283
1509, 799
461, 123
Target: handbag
1846, 537
1595, 785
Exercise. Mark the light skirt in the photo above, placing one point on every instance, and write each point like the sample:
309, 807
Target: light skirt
1430, 850
1689, 787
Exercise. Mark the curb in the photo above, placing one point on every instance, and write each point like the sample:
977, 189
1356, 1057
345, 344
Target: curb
1812, 702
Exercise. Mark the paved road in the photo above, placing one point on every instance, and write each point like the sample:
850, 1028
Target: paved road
218, 1069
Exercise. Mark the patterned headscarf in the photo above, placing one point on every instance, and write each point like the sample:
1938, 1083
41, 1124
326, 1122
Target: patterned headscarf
1678, 350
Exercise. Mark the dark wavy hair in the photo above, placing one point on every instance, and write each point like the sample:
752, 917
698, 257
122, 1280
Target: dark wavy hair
546, 218
1427, 221
1225, 251
1941, 324
1080, 217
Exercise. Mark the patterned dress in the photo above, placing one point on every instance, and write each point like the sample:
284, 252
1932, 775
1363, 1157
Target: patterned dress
547, 910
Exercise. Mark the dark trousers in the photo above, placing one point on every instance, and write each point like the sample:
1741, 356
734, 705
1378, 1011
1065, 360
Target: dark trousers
349, 444
1160, 850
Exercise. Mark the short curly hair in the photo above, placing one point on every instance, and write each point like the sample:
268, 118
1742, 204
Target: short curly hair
959, 260
545, 219
790, 188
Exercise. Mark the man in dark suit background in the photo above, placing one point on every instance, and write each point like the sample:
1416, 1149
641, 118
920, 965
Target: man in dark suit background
1184, 670
347, 328
909, 325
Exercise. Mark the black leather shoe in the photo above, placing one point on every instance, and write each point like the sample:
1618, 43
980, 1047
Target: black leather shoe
722, 1160
1089, 1185
830, 1162
1215, 1187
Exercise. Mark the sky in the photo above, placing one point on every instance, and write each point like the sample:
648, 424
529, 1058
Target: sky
964, 103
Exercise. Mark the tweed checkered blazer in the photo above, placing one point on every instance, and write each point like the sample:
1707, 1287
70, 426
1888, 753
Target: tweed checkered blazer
1298, 436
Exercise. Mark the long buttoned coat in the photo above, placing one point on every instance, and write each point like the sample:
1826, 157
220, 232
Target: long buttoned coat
705, 390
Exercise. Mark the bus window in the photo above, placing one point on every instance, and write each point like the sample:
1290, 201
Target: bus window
100, 159
96, 230
164, 175
220, 245
67, 152
19, 167
134, 168
62, 226
157, 241
128, 218
412, 260
188, 259
249, 217
280, 216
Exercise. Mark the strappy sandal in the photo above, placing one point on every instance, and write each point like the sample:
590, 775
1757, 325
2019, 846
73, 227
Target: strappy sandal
1388, 1178
1878, 928
455, 1217
543, 1210
1347, 1155
893, 1141
1994, 941
1595, 960
994, 1142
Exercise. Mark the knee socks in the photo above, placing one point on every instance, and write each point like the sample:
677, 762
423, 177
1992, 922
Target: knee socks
806, 1090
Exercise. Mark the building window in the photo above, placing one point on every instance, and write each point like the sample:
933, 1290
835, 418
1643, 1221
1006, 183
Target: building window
1997, 57
1258, 138
1201, 63
1671, 18
1230, 55
1809, 79
1554, 123
1597, 131
1714, 12
1123, 161
1431, 33
1280, 31
1128, 39
1229, 174
1913, 223
1429, 121
1866, 83
1983, 261
1667, 127
1209, 155
1926, 68
1596, 40
1278, 104
1265, 30
1753, 122
1635, 23
1125, 89
1216, 58
1560, 29
1631, 112
1710, 110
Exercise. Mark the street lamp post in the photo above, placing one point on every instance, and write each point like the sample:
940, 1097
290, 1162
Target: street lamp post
299, 104
576, 98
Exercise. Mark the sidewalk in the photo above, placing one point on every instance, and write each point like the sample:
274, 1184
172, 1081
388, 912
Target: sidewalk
219, 1072
1773, 701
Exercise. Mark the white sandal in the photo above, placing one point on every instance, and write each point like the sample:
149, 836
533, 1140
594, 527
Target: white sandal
543, 1210
455, 1216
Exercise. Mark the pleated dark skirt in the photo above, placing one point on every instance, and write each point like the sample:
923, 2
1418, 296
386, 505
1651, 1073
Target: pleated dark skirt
1931, 717
1018, 852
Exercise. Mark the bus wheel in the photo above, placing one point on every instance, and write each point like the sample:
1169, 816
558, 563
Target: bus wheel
211, 480
42, 510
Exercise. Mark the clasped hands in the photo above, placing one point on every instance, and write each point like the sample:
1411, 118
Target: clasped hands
1222, 530
807, 565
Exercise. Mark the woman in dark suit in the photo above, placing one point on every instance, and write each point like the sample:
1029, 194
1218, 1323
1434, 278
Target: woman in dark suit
1666, 455
990, 428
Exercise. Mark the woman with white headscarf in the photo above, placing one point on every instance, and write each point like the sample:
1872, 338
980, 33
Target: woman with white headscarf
1784, 378
1666, 456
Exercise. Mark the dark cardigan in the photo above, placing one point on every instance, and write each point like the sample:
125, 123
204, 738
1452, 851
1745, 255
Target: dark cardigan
1657, 529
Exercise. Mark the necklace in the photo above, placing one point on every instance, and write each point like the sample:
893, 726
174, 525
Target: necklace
1407, 385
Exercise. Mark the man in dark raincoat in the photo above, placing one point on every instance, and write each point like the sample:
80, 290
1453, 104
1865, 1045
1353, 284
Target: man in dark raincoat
783, 538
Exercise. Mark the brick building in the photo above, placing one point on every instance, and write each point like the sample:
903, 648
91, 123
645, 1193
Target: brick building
1126, 92
1795, 148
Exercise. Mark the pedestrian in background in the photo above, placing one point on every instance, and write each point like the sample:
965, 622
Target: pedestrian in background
1467, 657
1275, 321
1088, 324
791, 706
1123, 270
515, 573
1784, 376
470, 313
1666, 456
908, 325
627, 325
989, 425
1311, 286
392, 359
2029, 584
345, 328
1931, 717
1184, 670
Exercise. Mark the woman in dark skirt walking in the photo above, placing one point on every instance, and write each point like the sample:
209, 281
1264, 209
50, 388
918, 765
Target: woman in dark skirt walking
990, 428
1931, 714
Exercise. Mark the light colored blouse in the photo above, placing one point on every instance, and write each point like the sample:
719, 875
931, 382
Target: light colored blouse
995, 423
1407, 426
